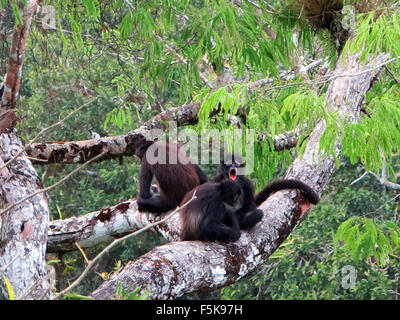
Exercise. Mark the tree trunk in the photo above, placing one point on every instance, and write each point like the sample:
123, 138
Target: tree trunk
23, 232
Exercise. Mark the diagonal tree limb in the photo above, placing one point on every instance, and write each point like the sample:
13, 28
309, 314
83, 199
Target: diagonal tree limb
97, 227
120, 240
116, 146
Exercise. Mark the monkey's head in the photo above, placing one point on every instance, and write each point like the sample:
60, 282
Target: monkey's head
142, 147
231, 194
230, 166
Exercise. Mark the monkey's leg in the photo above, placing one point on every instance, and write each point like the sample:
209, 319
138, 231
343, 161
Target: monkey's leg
146, 175
155, 204
211, 230
248, 219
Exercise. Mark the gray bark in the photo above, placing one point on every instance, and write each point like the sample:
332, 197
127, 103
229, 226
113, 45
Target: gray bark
23, 233
97, 227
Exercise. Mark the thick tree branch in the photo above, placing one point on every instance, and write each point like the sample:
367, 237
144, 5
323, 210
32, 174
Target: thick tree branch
116, 146
120, 240
177, 268
97, 227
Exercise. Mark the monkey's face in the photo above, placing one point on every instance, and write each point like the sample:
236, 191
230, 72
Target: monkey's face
233, 204
231, 195
230, 171
141, 147
230, 165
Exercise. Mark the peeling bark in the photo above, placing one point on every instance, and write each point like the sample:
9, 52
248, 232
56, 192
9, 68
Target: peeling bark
96, 227
106, 225
116, 146
182, 267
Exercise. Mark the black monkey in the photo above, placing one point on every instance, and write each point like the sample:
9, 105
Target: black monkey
211, 215
248, 215
175, 177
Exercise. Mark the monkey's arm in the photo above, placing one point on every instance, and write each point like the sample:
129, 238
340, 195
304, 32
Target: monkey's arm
219, 225
146, 175
155, 204
248, 218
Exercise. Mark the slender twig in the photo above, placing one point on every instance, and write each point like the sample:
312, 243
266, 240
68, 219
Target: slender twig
391, 74
321, 80
52, 186
3, 268
287, 75
183, 60
382, 206
82, 252
118, 241
330, 78
43, 131
359, 178
384, 181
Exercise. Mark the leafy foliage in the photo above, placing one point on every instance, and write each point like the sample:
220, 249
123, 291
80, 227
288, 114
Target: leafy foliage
377, 137
364, 240
375, 35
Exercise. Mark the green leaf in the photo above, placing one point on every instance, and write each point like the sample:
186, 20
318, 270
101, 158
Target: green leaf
91, 7
126, 25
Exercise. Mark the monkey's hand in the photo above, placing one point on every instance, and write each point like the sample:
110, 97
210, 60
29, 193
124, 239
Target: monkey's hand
154, 189
250, 219
140, 205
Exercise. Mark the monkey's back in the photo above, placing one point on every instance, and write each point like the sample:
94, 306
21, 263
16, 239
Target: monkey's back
193, 213
177, 176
